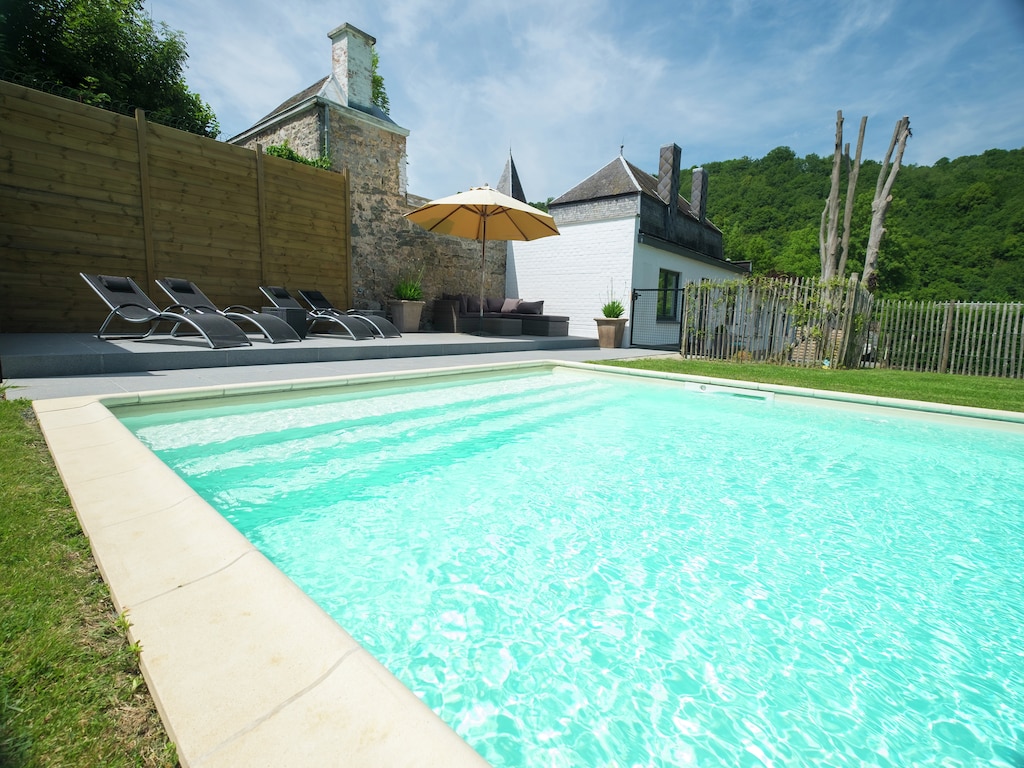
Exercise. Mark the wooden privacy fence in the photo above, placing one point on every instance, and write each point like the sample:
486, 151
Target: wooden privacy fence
85, 190
949, 337
801, 322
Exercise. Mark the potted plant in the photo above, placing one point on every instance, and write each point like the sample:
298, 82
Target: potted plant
407, 306
611, 326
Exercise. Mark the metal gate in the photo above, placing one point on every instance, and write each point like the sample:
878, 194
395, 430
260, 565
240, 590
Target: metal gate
656, 318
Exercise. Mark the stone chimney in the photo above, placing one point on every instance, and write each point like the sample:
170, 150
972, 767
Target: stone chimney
699, 195
351, 64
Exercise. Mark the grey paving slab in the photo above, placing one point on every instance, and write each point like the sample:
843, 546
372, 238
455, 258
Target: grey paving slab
411, 352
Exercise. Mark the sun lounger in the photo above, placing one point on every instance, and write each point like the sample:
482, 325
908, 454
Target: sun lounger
349, 324
127, 302
379, 325
187, 294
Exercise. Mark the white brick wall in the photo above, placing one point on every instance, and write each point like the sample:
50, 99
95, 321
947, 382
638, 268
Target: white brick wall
647, 267
574, 271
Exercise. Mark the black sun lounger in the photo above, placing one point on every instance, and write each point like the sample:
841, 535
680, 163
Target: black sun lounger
379, 326
348, 324
187, 294
127, 302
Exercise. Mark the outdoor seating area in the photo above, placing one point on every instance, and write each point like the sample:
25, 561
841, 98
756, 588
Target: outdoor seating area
461, 313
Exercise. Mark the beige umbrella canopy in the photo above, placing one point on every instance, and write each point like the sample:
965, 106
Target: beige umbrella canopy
484, 214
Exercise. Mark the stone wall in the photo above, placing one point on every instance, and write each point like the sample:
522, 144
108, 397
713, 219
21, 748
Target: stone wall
385, 246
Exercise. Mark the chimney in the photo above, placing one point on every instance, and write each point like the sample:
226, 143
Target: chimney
699, 195
351, 64
668, 185
668, 176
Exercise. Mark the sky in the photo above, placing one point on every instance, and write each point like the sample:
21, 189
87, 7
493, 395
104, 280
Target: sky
564, 84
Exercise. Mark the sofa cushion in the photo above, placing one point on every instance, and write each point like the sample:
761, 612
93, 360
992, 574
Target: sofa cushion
493, 305
472, 304
530, 308
509, 305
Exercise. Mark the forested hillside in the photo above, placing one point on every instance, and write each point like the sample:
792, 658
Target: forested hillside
955, 229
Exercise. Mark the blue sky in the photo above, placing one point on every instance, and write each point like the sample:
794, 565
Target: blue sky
564, 84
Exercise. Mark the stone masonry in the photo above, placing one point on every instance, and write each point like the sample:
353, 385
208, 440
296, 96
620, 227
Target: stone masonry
336, 117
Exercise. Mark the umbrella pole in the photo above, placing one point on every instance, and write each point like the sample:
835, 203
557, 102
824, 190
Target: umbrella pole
483, 269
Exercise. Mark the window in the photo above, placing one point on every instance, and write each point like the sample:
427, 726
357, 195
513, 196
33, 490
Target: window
668, 295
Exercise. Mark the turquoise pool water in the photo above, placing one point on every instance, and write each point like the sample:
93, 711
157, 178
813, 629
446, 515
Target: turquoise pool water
576, 570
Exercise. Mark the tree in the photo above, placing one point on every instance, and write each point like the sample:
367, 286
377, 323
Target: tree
109, 52
833, 247
959, 222
378, 94
883, 197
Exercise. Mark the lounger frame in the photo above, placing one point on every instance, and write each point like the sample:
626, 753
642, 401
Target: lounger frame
128, 302
186, 293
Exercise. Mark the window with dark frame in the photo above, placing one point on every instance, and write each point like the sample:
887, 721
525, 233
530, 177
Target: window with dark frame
668, 295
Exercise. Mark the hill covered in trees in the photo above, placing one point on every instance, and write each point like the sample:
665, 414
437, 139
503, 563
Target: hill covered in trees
955, 229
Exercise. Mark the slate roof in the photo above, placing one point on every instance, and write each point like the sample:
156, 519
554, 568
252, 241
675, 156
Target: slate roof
509, 182
326, 88
619, 177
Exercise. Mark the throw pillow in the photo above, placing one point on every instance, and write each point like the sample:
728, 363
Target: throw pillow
510, 305
531, 308
493, 305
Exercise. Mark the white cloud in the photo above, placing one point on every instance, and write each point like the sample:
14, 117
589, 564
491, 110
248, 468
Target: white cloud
564, 84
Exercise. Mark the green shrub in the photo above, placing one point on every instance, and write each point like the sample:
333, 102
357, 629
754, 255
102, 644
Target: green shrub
409, 289
613, 308
284, 151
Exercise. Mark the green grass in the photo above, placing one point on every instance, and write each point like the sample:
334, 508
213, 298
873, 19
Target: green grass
977, 391
71, 693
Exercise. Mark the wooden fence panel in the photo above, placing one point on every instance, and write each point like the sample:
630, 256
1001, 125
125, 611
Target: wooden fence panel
970, 339
85, 190
794, 322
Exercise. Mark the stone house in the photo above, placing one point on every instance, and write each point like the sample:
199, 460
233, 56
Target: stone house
622, 229
336, 117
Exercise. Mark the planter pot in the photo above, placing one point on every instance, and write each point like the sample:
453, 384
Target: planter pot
610, 331
406, 315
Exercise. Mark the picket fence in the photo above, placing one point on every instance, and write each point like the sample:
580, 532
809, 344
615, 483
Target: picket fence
974, 339
807, 322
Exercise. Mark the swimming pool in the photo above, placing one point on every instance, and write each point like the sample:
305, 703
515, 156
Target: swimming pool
740, 602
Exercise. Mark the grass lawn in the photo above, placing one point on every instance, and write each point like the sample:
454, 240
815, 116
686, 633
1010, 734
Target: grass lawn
977, 391
71, 693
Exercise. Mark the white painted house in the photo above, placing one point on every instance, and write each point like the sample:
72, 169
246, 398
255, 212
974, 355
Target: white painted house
619, 232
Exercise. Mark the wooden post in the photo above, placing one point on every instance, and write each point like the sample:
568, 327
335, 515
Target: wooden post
349, 278
947, 335
141, 129
261, 208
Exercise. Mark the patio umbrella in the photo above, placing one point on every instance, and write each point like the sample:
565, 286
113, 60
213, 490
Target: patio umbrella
484, 214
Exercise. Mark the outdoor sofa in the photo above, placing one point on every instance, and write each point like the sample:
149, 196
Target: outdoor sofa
460, 313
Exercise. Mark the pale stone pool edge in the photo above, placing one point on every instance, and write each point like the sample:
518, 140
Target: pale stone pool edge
244, 667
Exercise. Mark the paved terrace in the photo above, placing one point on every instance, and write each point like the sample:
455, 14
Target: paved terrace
45, 365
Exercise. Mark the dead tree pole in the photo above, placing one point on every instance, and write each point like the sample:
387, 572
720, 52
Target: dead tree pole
883, 197
828, 234
853, 170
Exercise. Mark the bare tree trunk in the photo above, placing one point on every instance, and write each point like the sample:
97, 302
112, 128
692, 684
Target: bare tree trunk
883, 198
851, 196
828, 234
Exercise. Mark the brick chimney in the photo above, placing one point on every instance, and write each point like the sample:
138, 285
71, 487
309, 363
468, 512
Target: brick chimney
699, 195
351, 64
